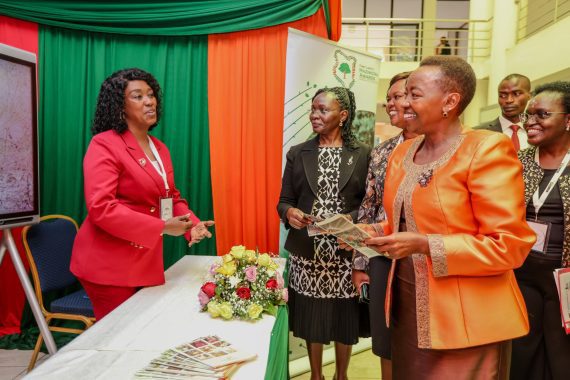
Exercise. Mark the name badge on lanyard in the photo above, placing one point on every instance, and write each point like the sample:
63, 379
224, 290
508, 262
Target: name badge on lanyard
165, 203
542, 231
540, 227
166, 208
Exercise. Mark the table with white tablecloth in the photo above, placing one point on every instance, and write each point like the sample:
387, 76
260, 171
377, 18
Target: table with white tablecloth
162, 317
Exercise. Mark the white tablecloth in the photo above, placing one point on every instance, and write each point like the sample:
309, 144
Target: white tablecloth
153, 320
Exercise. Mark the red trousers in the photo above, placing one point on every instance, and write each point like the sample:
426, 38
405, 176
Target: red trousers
105, 298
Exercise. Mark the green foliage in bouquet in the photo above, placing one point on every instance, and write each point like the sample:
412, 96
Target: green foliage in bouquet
243, 284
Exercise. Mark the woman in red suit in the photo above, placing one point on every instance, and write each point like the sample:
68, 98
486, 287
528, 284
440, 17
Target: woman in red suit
130, 194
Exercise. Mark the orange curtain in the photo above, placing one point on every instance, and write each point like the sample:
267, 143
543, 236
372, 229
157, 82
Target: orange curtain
246, 93
23, 35
335, 14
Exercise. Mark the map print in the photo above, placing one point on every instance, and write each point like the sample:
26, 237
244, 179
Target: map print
16, 139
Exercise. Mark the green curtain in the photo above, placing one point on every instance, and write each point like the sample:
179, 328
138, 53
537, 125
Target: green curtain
153, 17
327, 12
278, 359
72, 66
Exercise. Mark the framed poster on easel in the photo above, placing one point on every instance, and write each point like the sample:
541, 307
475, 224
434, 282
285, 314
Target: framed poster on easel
19, 178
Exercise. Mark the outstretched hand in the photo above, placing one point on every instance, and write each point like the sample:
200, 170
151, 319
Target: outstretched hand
200, 231
177, 225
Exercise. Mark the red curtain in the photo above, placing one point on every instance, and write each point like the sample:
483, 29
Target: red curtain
23, 35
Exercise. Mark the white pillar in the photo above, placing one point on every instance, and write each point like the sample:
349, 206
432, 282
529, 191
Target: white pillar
505, 13
429, 41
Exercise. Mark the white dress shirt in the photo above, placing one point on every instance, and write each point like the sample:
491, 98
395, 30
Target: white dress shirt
521, 133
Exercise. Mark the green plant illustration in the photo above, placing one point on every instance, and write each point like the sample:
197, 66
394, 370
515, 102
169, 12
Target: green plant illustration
344, 68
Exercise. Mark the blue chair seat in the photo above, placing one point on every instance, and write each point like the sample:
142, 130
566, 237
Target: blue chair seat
74, 303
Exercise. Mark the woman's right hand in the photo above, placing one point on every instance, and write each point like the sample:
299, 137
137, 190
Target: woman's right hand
359, 277
296, 218
177, 225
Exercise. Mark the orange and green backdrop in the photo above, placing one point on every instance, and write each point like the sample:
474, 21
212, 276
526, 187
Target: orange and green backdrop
221, 65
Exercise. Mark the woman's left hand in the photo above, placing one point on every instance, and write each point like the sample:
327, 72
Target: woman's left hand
400, 244
200, 231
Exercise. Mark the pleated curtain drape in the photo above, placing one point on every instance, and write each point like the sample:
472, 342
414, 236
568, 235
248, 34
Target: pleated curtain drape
166, 17
246, 98
223, 103
74, 64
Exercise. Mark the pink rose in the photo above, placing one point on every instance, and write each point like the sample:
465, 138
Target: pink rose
209, 288
285, 295
213, 268
251, 273
280, 281
271, 284
203, 298
243, 293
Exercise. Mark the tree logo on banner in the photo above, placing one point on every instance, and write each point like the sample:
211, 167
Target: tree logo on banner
344, 68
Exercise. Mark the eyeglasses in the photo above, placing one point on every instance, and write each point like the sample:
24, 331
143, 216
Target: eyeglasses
542, 115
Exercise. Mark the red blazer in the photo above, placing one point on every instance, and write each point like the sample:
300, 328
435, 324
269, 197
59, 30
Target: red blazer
120, 241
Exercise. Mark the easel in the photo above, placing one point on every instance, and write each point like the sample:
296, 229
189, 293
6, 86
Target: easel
9, 244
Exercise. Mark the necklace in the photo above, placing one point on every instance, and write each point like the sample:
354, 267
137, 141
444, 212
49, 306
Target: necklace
424, 172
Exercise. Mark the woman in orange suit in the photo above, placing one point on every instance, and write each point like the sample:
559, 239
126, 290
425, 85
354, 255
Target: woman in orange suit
130, 194
455, 229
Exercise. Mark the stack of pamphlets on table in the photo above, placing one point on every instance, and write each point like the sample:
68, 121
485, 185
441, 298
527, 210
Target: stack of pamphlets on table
204, 358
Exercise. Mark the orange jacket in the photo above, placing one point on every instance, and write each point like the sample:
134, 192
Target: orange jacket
120, 241
473, 211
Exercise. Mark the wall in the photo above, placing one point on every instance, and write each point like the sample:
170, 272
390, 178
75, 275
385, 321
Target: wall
543, 57
542, 54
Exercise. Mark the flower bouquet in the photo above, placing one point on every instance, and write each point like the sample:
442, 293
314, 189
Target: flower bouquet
243, 284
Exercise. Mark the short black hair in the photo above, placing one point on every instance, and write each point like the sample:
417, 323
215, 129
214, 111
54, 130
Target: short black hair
458, 76
347, 102
109, 113
559, 87
521, 78
399, 77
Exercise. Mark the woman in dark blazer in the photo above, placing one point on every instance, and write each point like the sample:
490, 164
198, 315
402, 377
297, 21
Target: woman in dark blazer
130, 194
324, 175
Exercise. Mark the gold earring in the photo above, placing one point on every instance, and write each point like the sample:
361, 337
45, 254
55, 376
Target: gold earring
444, 113
340, 125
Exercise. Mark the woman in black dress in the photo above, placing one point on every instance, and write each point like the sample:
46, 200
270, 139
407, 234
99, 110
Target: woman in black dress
323, 175
375, 271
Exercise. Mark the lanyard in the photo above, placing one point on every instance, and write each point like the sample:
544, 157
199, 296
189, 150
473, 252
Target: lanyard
160, 168
539, 201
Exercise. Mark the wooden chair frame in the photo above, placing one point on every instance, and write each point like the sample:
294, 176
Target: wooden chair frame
49, 316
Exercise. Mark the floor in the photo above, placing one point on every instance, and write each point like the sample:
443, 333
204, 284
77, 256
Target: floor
363, 366
13, 363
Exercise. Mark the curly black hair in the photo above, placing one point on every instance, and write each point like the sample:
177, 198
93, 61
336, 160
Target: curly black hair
345, 98
561, 88
109, 113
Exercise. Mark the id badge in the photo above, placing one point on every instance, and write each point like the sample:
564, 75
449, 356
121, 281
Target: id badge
542, 231
166, 208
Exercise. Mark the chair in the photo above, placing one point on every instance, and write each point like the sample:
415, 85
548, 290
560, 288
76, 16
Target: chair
48, 248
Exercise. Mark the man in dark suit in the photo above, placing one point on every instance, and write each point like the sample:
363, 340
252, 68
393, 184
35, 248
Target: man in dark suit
514, 93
